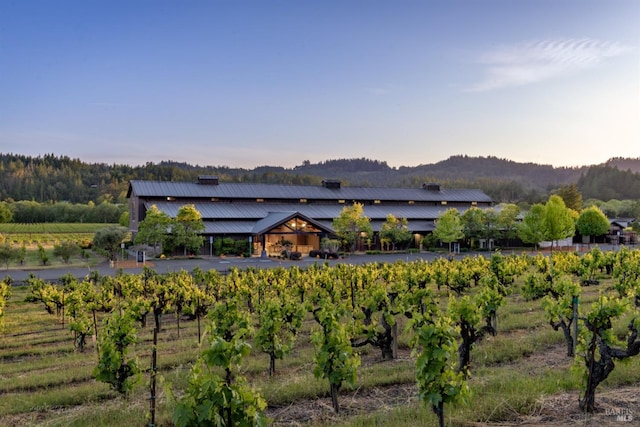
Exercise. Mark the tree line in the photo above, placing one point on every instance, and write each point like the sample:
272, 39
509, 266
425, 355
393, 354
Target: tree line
60, 178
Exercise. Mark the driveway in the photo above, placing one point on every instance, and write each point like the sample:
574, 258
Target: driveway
222, 264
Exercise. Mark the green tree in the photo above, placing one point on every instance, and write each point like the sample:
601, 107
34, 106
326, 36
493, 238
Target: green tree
395, 231
187, 228
66, 249
6, 215
558, 220
8, 253
508, 220
571, 196
153, 229
352, 223
449, 227
473, 221
124, 219
592, 222
108, 239
531, 229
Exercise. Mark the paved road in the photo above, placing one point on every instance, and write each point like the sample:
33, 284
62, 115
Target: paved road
207, 263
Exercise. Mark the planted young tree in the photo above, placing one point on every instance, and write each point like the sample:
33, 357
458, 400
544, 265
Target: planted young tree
473, 221
592, 223
599, 348
154, 229
8, 254
186, 229
108, 239
395, 231
558, 220
214, 400
508, 221
66, 249
352, 223
531, 229
449, 227
114, 368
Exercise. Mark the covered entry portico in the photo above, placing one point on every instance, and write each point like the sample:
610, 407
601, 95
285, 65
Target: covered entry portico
281, 229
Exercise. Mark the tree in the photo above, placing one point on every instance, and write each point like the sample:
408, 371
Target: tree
109, 238
124, 219
8, 253
395, 231
187, 228
154, 228
473, 221
508, 220
66, 249
6, 215
558, 220
531, 229
352, 223
571, 196
592, 222
449, 227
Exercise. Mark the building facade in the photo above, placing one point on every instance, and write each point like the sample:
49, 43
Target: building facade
266, 214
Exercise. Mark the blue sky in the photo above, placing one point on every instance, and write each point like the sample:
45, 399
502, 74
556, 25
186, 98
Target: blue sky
274, 82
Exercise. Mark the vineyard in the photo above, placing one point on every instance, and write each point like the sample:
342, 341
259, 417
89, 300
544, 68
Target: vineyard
48, 234
502, 340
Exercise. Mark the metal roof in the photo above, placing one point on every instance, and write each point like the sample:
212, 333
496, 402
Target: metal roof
257, 211
252, 219
193, 190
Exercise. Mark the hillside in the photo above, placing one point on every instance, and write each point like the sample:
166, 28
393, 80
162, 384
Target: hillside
60, 178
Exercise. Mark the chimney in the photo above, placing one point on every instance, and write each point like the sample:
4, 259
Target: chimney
207, 180
431, 186
331, 183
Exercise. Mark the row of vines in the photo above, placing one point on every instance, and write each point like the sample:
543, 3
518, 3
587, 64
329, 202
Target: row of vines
446, 306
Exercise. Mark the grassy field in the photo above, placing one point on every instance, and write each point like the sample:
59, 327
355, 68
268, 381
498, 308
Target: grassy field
520, 376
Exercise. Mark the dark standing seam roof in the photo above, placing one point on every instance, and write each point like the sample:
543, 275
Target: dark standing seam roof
256, 218
235, 211
269, 191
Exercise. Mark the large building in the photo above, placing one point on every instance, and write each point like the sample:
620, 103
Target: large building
264, 214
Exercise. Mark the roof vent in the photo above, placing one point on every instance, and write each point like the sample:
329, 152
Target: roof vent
431, 186
208, 180
331, 183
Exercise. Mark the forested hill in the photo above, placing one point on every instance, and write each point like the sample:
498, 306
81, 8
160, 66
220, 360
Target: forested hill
60, 178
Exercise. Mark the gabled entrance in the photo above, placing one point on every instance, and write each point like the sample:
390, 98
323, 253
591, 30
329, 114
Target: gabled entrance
288, 230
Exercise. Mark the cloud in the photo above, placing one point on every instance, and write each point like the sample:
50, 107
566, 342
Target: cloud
532, 62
